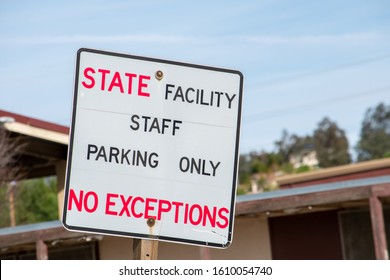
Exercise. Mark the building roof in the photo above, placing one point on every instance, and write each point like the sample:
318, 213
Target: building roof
342, 194
336, 173
43, 144
52, 231
34, 127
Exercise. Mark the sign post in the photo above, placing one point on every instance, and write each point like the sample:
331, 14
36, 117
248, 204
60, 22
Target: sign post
154, 149
145, 249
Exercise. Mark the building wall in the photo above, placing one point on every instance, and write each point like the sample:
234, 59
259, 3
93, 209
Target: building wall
175, 251
250, 242
116, 248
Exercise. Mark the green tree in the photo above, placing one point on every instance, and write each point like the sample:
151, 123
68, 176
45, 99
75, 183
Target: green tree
244, 174
258, 168
10, 149
331, 144
293, 145
10, 171
285, 146
36, 201
265, 165
374, 140
4, 207
244, 169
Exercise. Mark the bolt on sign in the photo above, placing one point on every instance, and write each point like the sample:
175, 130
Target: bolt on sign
153, 149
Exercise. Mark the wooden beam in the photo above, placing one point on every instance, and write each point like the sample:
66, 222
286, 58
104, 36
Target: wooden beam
301, 200
378, 228
382, 190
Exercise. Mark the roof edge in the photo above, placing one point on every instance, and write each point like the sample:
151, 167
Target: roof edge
334, 171
36, 122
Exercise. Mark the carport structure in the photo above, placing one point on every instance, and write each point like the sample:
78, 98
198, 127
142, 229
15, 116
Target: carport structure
340, 212
371, 193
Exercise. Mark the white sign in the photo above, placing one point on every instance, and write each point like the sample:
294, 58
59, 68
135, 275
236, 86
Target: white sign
153, 150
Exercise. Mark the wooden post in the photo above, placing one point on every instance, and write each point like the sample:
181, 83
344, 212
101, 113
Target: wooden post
41, 250
11, 200
145, 249
205, 253
378, 228
60, 173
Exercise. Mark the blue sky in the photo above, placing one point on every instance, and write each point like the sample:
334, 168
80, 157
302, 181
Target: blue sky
301, 60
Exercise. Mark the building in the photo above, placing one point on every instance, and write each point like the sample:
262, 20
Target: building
335, 213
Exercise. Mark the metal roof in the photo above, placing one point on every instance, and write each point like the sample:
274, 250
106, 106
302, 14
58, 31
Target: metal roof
30, 227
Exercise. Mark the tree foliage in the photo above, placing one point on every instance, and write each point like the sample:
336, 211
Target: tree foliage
10, 149
4, 207
35, 200
258, 168
331, 144
290, 145
10, 171
374, 140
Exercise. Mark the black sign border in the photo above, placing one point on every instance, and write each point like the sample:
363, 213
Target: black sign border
70, 149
